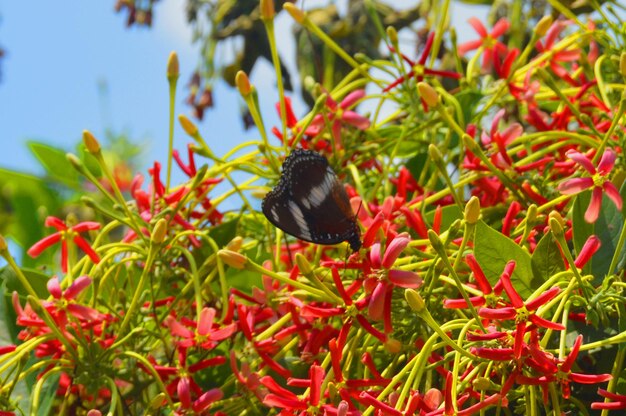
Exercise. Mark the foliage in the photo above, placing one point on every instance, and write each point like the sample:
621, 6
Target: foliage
487, 183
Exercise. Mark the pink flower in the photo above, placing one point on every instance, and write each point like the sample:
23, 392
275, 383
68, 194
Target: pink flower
598, 182
488, 41
339, 114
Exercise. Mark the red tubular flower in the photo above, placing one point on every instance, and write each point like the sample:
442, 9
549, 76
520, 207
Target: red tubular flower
64, 302
589, 249
598, 182
488, 41
204, 336
489, 298
565, 375
618, 401
418, 68
339, 114
557, 56
63, 234
501, 139
521, 311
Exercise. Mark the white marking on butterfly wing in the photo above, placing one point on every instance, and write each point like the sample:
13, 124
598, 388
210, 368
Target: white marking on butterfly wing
298, 216
322, 191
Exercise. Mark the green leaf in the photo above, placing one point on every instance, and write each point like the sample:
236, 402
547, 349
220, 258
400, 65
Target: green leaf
546, 259
37, 280
493, 251
26, 200
8, 329
607, 228
224, 232
55, 163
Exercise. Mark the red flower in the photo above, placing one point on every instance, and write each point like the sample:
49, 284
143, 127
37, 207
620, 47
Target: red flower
64, 302
204, 336
598, 182
521, 311
339, 114
418, 69
63, 234
618, 403
488, 41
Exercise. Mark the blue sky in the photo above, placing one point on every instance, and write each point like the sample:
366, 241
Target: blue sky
59, 52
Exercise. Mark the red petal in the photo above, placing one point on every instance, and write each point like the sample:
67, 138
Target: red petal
43, 244
593, 211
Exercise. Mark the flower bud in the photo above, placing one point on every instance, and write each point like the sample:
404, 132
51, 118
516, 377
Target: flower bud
622, 64
472, 210
303, 264
173, 70
235, 244
543, 25
435, 241
243, 83
531, 213
481, 383
393, 346
3, 244
414, 299
267, 9
428, 93
435, 154
75, 162
233, 259
392, 34
555, 226
159, 231
157, 401
297, 14
187, 125
91, 143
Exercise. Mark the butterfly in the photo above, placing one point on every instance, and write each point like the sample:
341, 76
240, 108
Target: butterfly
310, 203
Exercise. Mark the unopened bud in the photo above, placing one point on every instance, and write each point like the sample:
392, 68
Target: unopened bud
428, 93
622, 64
3, 243
543, 25
173, 70
531, 213
470, 144
393, 346
233, 259
267, 9
75, 162
159, 231
481, 383
435, 154
157, 401
297, 14
472, 210
414, 299
555, 226
243, 83
187, 125
435, 241
392, 34
235, 244
91, 143
303, 264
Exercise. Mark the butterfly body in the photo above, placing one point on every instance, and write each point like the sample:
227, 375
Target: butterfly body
310, 203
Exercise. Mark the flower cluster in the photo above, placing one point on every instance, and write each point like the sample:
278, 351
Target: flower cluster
485, 255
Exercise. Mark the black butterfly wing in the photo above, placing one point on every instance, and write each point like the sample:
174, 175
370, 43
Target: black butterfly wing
310, 202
